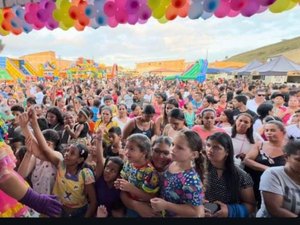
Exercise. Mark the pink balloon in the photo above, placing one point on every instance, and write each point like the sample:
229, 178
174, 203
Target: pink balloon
262, 9
112, 22
133, 19
121, 16
250, 8
142, 21
223, 9
109, 8
233, 13
237, 5
266, 2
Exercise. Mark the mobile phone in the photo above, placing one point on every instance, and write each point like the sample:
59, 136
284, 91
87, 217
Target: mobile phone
212, 207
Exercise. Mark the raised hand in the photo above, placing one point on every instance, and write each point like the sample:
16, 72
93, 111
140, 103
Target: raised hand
23, 120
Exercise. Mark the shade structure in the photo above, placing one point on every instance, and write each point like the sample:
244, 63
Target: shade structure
277, 66
246, 70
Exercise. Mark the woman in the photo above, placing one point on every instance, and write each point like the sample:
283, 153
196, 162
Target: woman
293, 106
142, 124
176, 123
122, 119
279, 186
208, 128
266, 154
243, 137
160, 159
226, 119
55, 119
179, 99
158, 104
221, 106
207, 102
162, 120
228, 186
105, 123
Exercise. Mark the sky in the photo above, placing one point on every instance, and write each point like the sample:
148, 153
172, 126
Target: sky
181, 38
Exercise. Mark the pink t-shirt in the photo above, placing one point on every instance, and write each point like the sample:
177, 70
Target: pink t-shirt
204, 133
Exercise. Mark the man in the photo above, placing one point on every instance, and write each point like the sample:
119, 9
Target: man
128, 99
258, 99
284, 89
14, 128
240, 106
138, 97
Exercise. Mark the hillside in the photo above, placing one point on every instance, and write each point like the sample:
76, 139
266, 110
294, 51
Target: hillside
288, 48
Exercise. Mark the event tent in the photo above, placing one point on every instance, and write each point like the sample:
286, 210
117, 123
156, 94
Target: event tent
246, 70
277, 66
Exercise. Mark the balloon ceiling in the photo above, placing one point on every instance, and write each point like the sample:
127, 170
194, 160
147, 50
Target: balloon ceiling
79, 14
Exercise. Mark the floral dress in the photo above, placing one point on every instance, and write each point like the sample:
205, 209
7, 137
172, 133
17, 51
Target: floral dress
181, 188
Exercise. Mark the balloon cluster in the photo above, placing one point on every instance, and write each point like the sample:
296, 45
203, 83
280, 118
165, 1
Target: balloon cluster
126, 11
79, 14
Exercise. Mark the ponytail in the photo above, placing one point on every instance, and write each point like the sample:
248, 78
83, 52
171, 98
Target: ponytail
201, 168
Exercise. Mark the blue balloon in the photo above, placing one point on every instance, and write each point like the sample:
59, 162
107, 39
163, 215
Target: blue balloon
196, 10
205, 15
211, 5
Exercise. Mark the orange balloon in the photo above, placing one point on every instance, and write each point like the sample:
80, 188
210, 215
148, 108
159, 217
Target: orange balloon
184, 11
171, 13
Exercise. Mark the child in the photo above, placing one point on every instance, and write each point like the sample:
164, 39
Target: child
108, 197
81, 128
74, 184
139, 178
115, 149
181, 193
136, 111
189, 114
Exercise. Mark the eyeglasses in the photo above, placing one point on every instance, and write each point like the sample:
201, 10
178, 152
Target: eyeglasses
259, 95
162, 153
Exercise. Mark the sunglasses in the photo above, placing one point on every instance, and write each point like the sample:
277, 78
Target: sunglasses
259, 95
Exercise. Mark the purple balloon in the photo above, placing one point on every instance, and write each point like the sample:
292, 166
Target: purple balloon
132, 6
42, 15
266, 2
250, 8
145, 13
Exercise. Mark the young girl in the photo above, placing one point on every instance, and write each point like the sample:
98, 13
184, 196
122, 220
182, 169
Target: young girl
139, 178
181, 193
81, 128
189, 115
74, 184
106, 174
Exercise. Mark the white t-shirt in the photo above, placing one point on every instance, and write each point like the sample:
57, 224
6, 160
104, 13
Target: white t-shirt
293, 132
251, 104
241, 144
39, 97
275, 180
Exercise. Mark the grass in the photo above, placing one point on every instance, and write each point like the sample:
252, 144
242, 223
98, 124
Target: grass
289, 48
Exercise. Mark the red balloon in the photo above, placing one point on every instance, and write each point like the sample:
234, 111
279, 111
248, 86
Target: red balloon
178, 3
171, 13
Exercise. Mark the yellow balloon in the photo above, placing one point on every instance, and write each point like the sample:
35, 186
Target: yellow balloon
163, 20
291, 5
153, 4
158, 13
279, 6
2, 31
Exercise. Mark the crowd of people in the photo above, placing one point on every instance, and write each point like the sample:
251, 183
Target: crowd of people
147, 147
